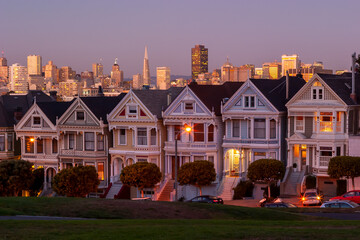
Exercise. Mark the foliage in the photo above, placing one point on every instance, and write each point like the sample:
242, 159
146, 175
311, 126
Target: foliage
141, 175
274, 191
266, 170
344, 166
38, 181
340, 187
197, 173
243, 189
76, 182
310, 182
15, 176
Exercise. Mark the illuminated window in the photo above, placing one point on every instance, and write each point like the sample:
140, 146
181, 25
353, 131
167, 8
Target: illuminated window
199, 132
100, 170
29, 144
326, 122
299, 124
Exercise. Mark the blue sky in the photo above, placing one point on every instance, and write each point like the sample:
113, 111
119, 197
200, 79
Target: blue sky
77, 33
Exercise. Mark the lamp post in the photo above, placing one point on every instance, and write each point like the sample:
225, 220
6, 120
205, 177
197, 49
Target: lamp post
187, 129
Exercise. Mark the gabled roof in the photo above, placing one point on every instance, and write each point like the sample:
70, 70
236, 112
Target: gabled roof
5, 119
101, 106
54, 110
342, 84
275, 90
157, 100
212, 95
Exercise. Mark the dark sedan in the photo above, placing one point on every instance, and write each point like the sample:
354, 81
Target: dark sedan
207, 199
279, 205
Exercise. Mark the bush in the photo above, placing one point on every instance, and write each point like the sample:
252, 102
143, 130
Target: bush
243, 189
38, 182
341, 187
310, 182
76, 182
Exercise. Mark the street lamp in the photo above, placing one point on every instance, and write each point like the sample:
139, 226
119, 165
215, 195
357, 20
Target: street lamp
187, 129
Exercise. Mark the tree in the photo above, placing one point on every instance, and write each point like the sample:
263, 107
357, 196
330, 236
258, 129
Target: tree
15, 176
198, 173
344, 166
38, 181
266, 170
76, 182
141, 175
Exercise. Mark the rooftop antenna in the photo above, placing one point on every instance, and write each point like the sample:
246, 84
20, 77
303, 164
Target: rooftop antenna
2, 53
115, 63
101, 60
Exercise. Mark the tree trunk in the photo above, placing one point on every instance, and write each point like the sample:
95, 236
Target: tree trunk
142, 193
269, 193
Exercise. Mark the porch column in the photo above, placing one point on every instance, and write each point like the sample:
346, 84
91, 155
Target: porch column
291, 155
95, 141
6, 142
267, 128
252, 128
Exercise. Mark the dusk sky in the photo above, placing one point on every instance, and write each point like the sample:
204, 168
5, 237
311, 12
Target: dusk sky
78, 33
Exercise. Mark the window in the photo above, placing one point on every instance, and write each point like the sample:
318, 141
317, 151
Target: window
36, 121
142, 136
299, 124
317, 91
211, 159
80, 115
29, 144
236, 128
338, 121
122, 137
71, 141
199, 158
2, 142
199, 132
89, 141
338, 151
325, 155
39, 146
100, 142
259, 155
326, 122
153, 137
100, 170
54, 146
132, 110
272, 155
177, 131
249, 101
189, 107
142, 160
259, 128
211, 133
10, 141
272, 129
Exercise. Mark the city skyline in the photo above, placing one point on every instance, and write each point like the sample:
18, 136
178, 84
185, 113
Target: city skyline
246, 32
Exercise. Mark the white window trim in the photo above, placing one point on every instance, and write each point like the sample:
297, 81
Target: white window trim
249, 96
36, 125
188, 110
317, 88
119, 142
303, 124
132, 115
76, 112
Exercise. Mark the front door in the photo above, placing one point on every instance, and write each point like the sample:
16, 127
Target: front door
235, 164
303, 159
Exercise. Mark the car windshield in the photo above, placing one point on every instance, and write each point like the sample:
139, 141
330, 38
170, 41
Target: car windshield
310, 194
290, 205
353, 204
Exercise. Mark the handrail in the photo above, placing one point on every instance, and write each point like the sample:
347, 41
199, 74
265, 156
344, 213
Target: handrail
106, 191
160, 188
221, 185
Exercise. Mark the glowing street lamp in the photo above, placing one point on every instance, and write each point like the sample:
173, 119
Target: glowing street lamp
187, 129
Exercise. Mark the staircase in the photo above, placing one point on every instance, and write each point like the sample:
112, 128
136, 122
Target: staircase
115, 188
165, 193
292, 183
226, 192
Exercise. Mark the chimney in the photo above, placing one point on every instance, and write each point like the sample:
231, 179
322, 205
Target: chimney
287, 85
168, 99
18, 114
353, 94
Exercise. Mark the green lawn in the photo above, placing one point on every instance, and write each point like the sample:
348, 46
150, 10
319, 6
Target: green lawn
179, 229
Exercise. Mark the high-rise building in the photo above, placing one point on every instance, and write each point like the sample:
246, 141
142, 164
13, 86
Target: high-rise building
4, 70
163, 78
18, 78
290, 62
69, 88
66, 73
34, 65
117, 76
137, 81
3, 61
308, 70
97, 69
274, 70
236, 74
51, 72
199, 60
258, 73
225, 71
146, 69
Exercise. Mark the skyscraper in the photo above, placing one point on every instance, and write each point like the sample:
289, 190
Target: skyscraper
66, 73
116, 74
18, 78
4, 71
34, 65
146, 70
199, 60
163, 78
290, 62
51, 72
137, 81
97, 69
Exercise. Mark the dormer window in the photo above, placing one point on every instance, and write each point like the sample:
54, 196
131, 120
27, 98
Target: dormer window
36, 121
80, 115
317, 91
132, 110
189, 107
249, 101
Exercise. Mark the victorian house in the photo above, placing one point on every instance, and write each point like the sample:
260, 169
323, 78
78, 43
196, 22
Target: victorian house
6, 134
84, 137
138, 132
321, 118
198, 107
255, 126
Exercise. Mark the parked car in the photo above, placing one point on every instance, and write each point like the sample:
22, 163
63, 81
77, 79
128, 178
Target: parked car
339, 204
311, 197
353, 196
207, 199
264, 201
279, 205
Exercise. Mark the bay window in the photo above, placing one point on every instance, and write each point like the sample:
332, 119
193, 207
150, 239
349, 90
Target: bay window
100, 142
326, 122
89, 141
199, 132
142, 136
259, 128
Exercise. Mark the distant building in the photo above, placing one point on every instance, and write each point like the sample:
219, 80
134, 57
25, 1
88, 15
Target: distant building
137, 81
36, 82
290, 62
163, 78
51, 72
66, 73
258, 73
274, 70
199, 60
34, 65
18, 78
308, 70
117, 76
146, 69
97, 69
4, 70
229, 73
87, 78
69, 88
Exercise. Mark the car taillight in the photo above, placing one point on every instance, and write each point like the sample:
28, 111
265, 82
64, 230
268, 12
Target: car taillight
215, 200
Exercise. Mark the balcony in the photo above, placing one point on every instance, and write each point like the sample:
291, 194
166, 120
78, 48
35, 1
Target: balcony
252, 141
39, 156
171, 145
79, 153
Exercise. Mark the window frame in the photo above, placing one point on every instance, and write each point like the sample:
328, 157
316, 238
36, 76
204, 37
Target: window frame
77, 115
302, 125
89, 141
249, 101
100, 142
2, 142
33, 124
120, 136
263, 120
199, 136
144, 141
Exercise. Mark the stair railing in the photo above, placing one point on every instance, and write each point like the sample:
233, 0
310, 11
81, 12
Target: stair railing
106, 191
160, 188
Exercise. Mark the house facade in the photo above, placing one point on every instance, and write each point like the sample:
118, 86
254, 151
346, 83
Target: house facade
7, 134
